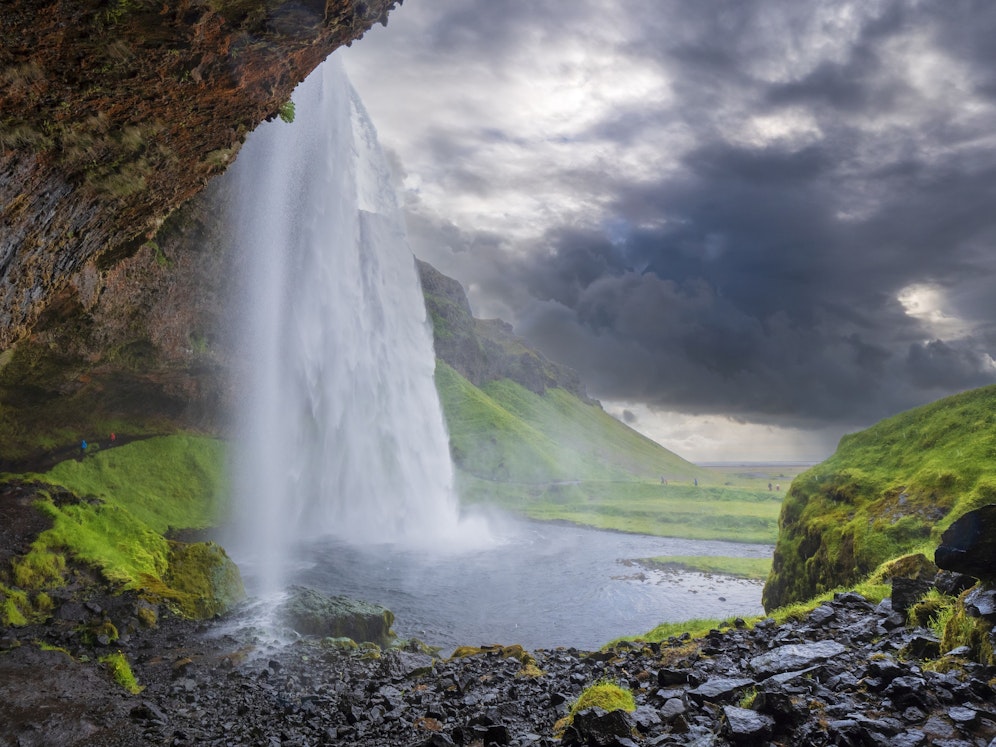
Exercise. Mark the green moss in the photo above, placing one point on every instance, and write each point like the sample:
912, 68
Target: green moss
14, 602
45, 646
886, 492
931, 611
608, 696
748, 698
120, 670
20, 607
202, 579
126, 500
92, 633
286, 111
961, 629
695, 628
41, 568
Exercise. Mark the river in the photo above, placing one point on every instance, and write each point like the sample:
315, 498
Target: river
541, 585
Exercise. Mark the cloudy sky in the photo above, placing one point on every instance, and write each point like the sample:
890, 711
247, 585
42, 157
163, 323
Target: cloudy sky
751, 225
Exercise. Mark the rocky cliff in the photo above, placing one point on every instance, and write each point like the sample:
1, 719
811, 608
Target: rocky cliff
113, 113
485, 350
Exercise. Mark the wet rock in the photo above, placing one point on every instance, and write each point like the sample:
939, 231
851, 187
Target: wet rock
908, 591
822, 614
969, 545
981, 603
744, 726
595, 727
922, 645
672, 708
795, 656
719, 689
953, 584
309, 612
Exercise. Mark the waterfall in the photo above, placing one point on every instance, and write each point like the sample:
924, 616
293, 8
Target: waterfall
341, 430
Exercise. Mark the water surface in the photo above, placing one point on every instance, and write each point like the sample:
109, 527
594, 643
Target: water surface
541, 585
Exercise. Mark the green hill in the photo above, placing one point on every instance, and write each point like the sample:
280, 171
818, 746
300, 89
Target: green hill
887, 491
525, 436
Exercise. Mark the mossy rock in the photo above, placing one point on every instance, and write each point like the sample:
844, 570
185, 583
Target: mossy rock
605, 696
202, 580
309, 612
915, 565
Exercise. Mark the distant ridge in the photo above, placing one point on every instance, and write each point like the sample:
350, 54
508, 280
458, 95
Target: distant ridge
486, 350
515, 416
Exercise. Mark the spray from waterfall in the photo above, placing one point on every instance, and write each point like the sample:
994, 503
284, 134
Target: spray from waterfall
341, 429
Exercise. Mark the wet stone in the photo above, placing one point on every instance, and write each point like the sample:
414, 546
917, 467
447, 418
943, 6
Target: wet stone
795, 656
822, 614
744, 726
719, 688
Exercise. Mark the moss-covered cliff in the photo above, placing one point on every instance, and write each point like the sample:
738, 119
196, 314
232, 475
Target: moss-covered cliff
888, 490
113, 113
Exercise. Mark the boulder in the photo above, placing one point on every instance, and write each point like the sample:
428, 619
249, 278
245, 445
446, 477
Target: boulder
969, 545
795, 656
744, 726
908, 591
595, 726
309, 612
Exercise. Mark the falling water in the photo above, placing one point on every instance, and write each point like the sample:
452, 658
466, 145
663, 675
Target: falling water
342, 433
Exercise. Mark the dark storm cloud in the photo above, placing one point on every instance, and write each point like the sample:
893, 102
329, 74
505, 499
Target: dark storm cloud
769, 282
826, 173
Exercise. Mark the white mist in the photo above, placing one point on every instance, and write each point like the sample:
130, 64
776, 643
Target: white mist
341, 429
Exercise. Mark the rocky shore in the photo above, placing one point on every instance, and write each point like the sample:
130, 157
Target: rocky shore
849, 673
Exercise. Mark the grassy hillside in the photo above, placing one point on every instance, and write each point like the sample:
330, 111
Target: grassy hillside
555, 457
114, 512
887, 491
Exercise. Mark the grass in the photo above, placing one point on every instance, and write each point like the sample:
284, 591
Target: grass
703, 513
887, 491
755, 569
113, 510
700, 627
120, 670
556, 458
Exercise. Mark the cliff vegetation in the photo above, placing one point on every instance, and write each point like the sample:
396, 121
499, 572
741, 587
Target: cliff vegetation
887, 491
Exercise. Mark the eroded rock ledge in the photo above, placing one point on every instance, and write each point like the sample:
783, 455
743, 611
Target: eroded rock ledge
114, 113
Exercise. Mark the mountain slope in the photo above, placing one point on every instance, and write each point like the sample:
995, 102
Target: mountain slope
525, 436
504, 432
886, 491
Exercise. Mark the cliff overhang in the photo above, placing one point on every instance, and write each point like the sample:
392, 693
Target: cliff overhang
113, 113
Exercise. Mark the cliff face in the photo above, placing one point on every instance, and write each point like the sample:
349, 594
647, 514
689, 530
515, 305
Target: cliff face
114, 113
484, 350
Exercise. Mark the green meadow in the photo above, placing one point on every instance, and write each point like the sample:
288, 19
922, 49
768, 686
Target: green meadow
553, 457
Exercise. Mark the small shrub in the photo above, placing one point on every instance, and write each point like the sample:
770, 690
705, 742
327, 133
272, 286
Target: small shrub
286, 111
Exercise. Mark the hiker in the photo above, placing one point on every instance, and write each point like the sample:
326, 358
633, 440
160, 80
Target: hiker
113, 438
83, 446
696, 482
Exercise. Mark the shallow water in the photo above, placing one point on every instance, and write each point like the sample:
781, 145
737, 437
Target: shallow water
538, 584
